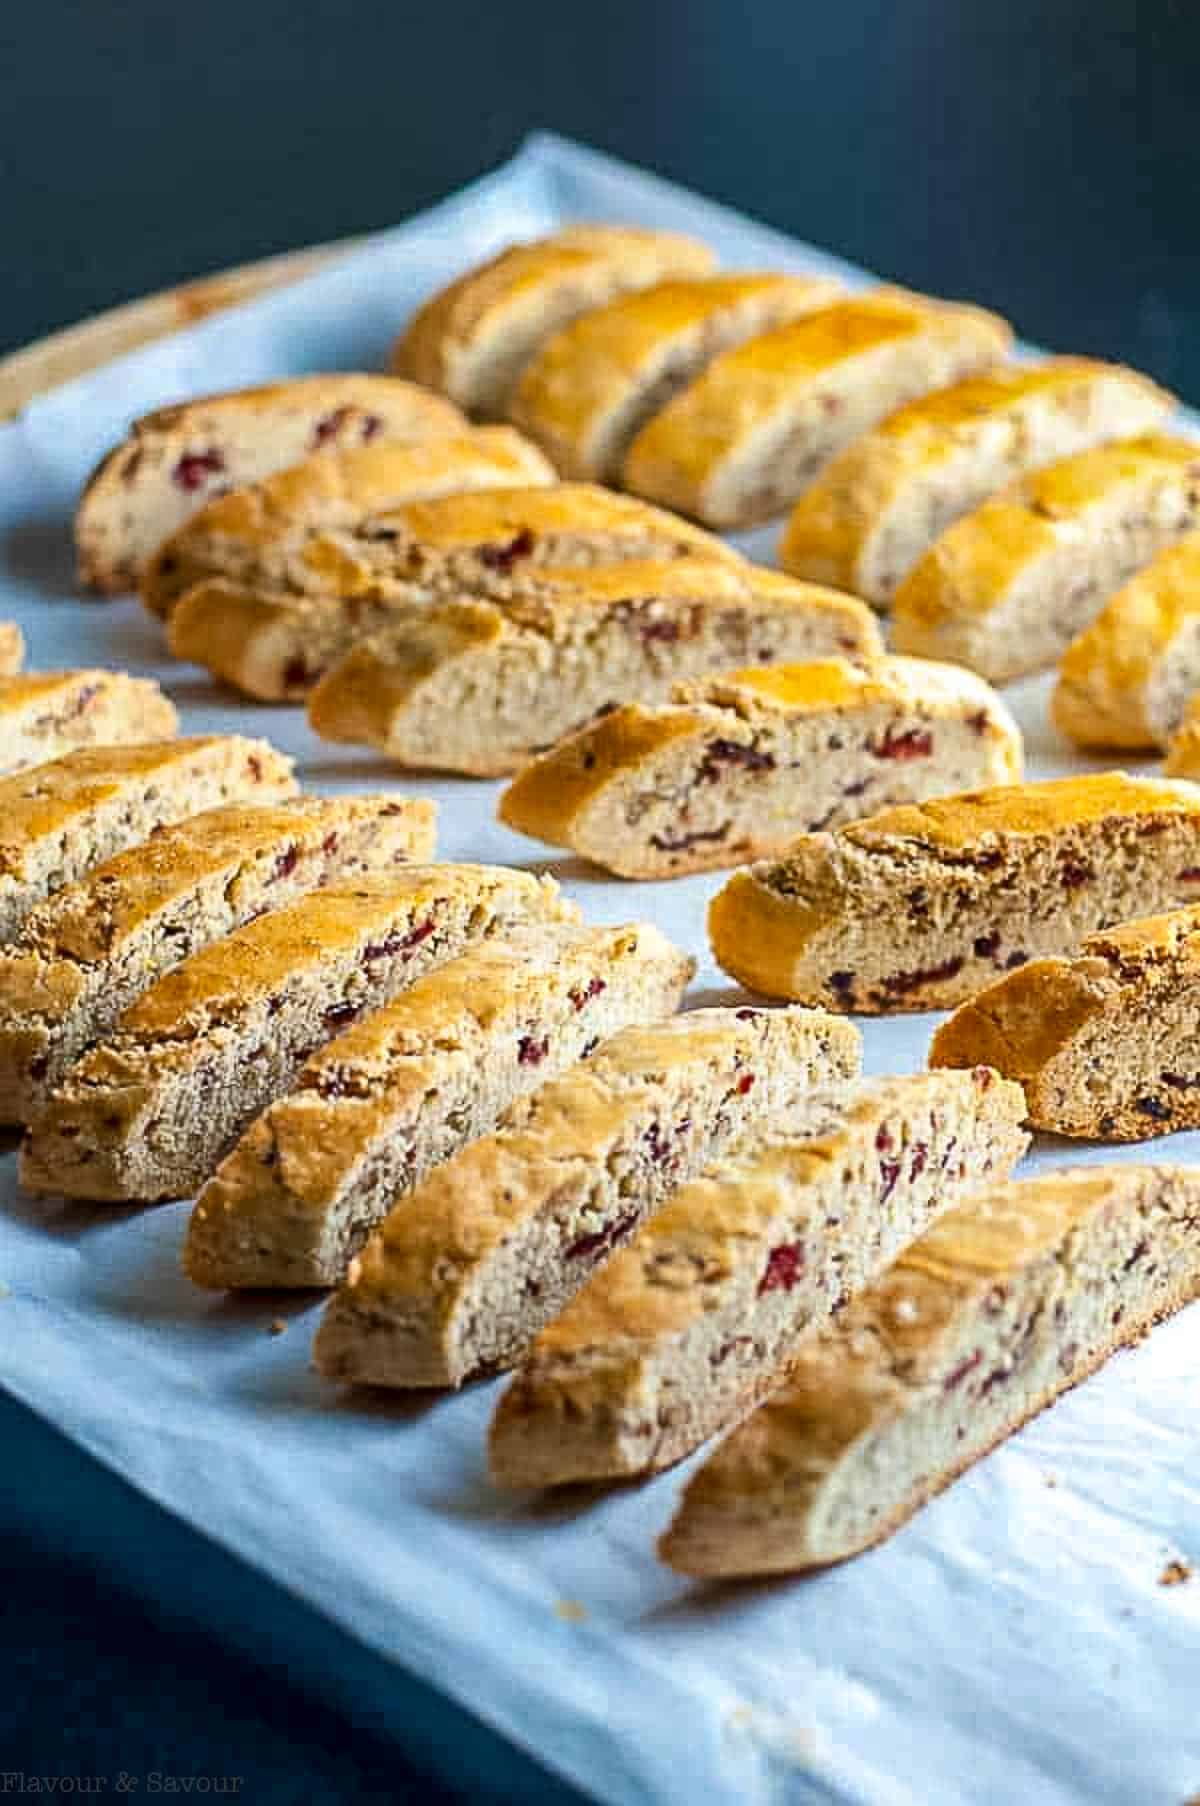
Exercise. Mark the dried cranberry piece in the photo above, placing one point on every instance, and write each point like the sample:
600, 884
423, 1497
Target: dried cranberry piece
682, 842
843, 984
583, 994
1190, 874
883, 1139
859, 786
987, 945
329, 426
298, 674
978, 721
747, 1015
286, 863
784, 1266
958, 1374
339, 1014
1139, 1253
731, 752
917, 743
889, 1172
396, 942
254, 766
745, 1084
372, 426
589, 1245
502, 558
666, 631
330, 842
1074, 871
920, 1157
901, 983
531, 1052
194, 467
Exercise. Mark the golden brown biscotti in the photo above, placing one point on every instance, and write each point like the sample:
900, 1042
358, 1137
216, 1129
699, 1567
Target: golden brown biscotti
917, 908
1126, 680
593, 386
12, 648
467, 1269
472, 339
1004, 1303
174, 460
1183, 749
740, 443
44, 714
384, 1103
734, 767
877, 506
259, 534
59, 820
480, 686
1107, 1044
695, 1319
1006, 589
151, 1111
85, 954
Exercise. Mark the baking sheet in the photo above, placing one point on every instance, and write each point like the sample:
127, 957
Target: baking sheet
1013, 1644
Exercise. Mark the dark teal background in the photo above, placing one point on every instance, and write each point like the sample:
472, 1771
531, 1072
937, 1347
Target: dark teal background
1042, 156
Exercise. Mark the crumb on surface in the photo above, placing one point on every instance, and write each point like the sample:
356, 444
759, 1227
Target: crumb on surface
276, 1327
571, 1611
1176, 1573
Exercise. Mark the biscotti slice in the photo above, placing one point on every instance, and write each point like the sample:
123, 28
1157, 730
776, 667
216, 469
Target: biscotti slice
752, 431
173, 461
1106, 1044
593, 385
467, 1269
12, 648
919, 907
1004, 1303
382, 1104
259, 534
694, 1320
84, 955
472, 339
735, 767
1006, 589
480, 686
44, 714
150, 1112
1126, 680
59, 820
877, 506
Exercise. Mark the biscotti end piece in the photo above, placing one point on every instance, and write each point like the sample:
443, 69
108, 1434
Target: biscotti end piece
709, 778
880, 503
472, 339
45, 714
1004, 1303
686, 1327
174, 460
85, 954
1126, 680
12, 648
921, 906
1104, 1043
489, 1248
751, 432
385, 1102
1007, 588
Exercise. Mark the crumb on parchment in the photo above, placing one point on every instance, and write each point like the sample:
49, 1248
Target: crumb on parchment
1176, 1573
571, 1611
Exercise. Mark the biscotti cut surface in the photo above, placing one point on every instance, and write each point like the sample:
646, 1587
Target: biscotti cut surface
1006, 589
259, 534
12, 648
919, 907
1004, 1303
593, 385
84, 955
735, 767
472, 339
694, 1320
480, 686
1126, 680
176, 459
382, 1104
59, 820
489, 1248
150, 1112
877, 506
1106, 1044
45, 714
742, 441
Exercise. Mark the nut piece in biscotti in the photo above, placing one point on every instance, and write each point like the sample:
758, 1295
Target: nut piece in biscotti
152, 1110
1106, 1044
44, 714
466, 1270
382, 1104
59, 820
594, 385
12, 648
740, 443
1004, 1303
1006, 589
84, 955
735, 767
259, 534
480, 686
173, 461
880, 503
695, 1319
1126, 680
919, 907
472, 339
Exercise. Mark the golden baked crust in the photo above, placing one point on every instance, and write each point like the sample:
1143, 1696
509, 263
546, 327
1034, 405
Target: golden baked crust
44, 714
12, 648
1001, 1305
471, 339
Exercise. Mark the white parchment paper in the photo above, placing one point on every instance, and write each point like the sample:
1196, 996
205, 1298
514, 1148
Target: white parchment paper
1012, 1645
